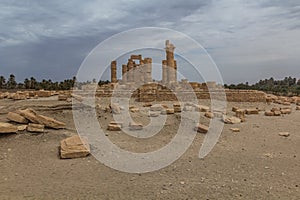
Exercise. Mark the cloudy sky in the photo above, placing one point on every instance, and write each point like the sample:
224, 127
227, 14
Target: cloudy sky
248, 40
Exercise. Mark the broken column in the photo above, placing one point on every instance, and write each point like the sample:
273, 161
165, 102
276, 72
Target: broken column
170, 62
164, 72
147, 70
113, 71
130, 66
124, 73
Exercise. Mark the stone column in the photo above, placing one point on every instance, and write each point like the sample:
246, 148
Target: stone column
175, 67
124, 73
113, 71
147, 70
130, 76
164, 72
170, 62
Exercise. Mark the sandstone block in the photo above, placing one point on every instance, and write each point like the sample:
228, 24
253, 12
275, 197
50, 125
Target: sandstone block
135, 126
200, 128
269, 113
15, 117
7, 128
74, 147
209, 115
231, 120
252, 111
35, 128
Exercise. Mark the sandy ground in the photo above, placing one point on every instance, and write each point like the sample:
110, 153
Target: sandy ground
255, 163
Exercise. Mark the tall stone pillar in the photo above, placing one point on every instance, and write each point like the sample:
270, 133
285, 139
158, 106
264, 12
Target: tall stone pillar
175, 68
164, 72
147, 70
113, 71
124, 73
170, 62
130, 77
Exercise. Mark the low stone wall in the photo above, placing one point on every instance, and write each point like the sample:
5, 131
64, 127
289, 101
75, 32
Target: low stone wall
156, 92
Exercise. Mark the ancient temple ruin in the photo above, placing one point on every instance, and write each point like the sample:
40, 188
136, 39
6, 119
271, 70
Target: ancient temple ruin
139, 69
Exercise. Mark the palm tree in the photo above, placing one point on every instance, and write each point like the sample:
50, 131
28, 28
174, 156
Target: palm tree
11, 83
2, 82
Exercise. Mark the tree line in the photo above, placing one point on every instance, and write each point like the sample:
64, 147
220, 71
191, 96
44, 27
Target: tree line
32, 84
288, 86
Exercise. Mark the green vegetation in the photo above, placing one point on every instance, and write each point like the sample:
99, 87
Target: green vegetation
33, 84
288, 86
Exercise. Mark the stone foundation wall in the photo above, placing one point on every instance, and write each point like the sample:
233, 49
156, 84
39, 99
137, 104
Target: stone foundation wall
156, 92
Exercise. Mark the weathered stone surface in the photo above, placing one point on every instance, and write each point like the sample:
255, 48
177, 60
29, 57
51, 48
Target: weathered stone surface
156, 107
234, 109
275, 109
188, 108
115, 108
286, 111
134, 109
277, 113
15, 117
35, 128
201, 108
22, 128
62, 97
240, 113
170, 111
252, 111
235, 130
154, 114
209, 115
284, 134
269, 113
50, 122
135, 126
200, 128
114, 127
74, 147
7, 128
231, 120
78, 97
29, 114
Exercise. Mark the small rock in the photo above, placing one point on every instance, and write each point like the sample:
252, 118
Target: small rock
200, 128
284, 134
235, 129
35, 128
74, 147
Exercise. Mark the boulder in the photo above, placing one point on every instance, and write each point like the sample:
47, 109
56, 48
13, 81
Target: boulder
298, 108
15, 117
269, 113
156, 107
50, 122
35, 128
29, 114
231, 120
8, 128
74, 147
277, 113
200, 128
135, 126
201, 108
22, 127
286, 111
209, 115
134, 109
234, 109
115, 108
235, 130
240, 113
284, 134
114, 127
252, 111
